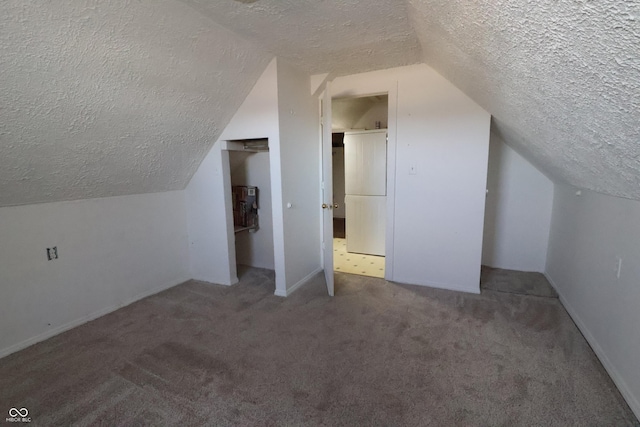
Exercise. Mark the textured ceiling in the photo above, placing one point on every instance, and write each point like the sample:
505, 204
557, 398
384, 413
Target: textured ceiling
102, 98
341, 36
561, 79
109, 98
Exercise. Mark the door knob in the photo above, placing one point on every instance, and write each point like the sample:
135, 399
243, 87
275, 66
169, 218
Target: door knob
335, 206
324, 206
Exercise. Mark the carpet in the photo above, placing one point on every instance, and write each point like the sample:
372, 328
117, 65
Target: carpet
377, 354
516, 282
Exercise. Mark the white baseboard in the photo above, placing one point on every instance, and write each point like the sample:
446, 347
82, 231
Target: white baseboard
632, 400
77, 322
305, 279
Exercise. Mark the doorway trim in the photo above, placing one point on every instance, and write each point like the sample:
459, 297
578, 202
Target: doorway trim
225, 147
391, 90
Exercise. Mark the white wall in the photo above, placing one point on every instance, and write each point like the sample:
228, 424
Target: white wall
359, 112
517, 213
589, 233
211, 254
112, 251
255, 248
377, 113
300, 159
210, 220
438, 211
281, 109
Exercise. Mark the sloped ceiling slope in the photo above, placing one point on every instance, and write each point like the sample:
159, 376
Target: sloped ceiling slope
561, 79
317, 36
103, 98
110, 98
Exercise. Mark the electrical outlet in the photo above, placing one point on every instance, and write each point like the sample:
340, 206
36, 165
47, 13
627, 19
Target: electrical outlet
52, 253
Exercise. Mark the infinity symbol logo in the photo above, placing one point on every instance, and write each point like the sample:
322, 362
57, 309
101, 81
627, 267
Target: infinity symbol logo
23, 412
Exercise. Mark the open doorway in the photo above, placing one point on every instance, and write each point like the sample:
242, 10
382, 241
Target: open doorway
359, 154
251, 203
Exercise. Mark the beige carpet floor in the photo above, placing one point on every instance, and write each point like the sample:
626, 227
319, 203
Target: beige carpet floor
377, 354
516, 282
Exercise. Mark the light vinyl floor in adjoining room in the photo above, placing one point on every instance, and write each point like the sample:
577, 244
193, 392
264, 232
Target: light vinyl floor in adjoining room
362, 264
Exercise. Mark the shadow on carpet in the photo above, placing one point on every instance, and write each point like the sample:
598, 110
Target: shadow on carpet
516, 282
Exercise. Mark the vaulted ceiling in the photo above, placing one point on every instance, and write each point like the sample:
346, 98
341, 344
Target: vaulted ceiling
560, 78
102, 98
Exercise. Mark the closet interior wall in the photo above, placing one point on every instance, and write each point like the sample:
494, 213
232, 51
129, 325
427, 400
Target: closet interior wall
254, 248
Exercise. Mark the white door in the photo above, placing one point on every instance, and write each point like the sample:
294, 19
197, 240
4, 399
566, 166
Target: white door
327, 189
365, 163
366, 222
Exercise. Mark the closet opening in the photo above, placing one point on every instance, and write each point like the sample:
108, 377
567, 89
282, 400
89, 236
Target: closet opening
359, 153
251, 205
